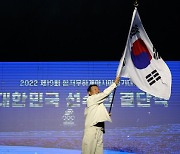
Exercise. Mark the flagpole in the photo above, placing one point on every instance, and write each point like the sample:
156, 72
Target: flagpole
135, 5
112, 101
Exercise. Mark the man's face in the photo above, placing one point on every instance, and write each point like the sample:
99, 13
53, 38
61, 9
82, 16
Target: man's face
94, 90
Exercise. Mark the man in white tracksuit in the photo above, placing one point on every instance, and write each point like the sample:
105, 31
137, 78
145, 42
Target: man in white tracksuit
95, 116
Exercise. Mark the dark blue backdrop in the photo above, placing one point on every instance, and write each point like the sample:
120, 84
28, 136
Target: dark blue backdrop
51, 96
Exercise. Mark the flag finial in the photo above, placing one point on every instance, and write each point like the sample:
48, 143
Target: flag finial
135, 3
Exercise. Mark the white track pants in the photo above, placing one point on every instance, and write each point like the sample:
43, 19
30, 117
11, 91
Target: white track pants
92, 142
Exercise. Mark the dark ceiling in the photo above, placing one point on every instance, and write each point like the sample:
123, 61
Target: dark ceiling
79, 30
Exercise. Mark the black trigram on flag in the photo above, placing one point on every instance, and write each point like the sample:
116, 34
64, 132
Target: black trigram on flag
153, 77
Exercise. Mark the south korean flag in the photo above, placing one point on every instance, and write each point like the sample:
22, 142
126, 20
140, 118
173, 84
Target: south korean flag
142, 64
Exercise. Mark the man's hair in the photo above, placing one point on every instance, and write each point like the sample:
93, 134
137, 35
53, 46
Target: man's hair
89, 88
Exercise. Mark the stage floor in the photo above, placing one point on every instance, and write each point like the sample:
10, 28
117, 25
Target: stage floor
41, 150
